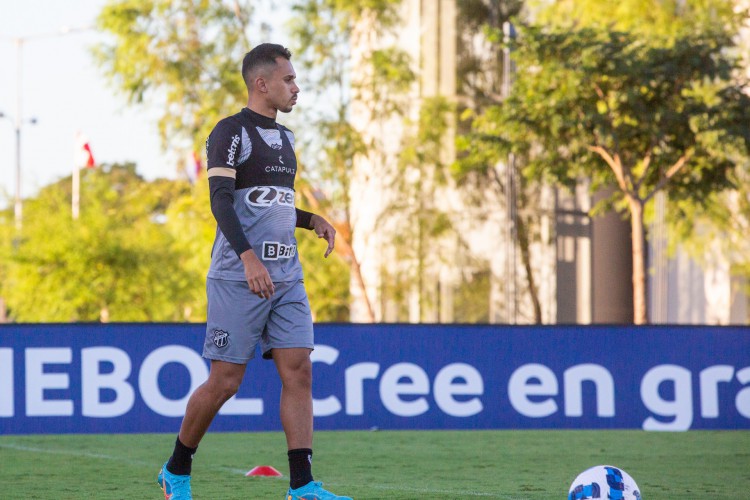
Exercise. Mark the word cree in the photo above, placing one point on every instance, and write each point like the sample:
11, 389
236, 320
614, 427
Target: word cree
403, 387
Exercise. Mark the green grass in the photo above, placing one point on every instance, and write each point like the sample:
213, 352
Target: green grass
383, 465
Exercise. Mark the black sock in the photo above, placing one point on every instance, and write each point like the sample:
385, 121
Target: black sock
300, 467
181, 461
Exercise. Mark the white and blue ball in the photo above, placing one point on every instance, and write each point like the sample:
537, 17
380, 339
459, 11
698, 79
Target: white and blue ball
605, 482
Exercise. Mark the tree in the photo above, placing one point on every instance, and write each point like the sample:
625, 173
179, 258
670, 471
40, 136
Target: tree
415, 215
326, 30
482, 83
640, 115
183, 58
180, 56
115, 262
661, 18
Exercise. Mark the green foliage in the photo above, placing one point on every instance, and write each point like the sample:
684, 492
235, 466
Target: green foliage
481, 82
416, 216
139, 251
586, 96
638, 113
326, 279
325, 32
479, 66
114, 263
711, 216
184, 58
667, 18
181, 56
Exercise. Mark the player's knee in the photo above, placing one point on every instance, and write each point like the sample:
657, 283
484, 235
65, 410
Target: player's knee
299, 376
224, 388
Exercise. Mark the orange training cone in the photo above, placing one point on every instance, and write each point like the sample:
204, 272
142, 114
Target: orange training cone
263, 470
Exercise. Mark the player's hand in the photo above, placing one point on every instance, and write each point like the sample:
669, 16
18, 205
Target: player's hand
257, 275
324, 230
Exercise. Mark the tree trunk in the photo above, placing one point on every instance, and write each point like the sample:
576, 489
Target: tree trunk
524, 244
345, 240
343, 230
356, 270
639, 261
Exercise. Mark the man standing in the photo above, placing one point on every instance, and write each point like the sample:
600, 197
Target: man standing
254, 286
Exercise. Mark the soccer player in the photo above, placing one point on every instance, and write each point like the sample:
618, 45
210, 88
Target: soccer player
254, 287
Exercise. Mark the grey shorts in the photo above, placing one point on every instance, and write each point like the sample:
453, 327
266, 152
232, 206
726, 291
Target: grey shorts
238, 320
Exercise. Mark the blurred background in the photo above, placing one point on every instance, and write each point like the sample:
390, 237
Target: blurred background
484, 161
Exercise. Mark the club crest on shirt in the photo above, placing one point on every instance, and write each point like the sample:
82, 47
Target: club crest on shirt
220, 338
272, 137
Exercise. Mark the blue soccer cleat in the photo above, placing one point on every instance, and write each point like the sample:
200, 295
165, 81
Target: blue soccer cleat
175, 487
312, 491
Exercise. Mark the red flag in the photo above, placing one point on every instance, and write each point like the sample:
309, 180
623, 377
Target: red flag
90, 163
193, 167
84, 156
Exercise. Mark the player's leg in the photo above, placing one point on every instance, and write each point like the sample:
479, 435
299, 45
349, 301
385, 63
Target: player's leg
234, 326
224, 380
295, 408
289, 341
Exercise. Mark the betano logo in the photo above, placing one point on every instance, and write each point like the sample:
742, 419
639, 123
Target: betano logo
232, 150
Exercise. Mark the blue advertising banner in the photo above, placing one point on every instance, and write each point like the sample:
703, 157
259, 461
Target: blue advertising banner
122, 378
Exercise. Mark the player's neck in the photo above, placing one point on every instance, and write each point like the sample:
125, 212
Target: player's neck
262, 109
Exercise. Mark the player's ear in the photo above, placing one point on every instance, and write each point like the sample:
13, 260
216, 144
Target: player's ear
260, 84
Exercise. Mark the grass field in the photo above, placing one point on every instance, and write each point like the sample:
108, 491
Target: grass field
383, 465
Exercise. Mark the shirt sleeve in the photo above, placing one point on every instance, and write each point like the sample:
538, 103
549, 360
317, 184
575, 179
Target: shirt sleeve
223, 146
304, 219
222, 207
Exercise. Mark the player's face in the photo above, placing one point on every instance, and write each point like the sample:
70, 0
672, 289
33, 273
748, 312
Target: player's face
282, 89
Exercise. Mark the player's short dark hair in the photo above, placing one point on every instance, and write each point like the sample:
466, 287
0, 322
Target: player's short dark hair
264, 54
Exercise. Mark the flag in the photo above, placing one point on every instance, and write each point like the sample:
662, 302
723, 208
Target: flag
90, 163
194, 167
84, 156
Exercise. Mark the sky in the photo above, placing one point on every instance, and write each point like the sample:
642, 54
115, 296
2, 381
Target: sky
66, 93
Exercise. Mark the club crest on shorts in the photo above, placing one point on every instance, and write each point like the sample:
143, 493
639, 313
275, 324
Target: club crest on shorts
220, 338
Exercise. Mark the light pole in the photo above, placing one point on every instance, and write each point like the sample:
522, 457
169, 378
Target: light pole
18, 41
17, 206
511, 292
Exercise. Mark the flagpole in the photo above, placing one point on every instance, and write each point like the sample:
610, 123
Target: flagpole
76, 198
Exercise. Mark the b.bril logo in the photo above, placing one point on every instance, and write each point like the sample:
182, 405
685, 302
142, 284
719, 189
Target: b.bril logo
265, 196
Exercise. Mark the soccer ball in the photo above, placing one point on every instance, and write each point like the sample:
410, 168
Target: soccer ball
605, 482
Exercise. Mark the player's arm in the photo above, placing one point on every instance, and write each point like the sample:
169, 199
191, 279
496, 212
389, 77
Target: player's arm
303, 219
221, 186
318, 224
221, 182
